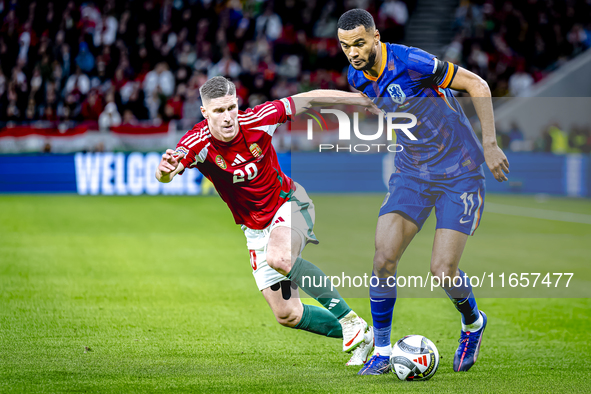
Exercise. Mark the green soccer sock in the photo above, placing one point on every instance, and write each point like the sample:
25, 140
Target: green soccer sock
320, 321
317, 285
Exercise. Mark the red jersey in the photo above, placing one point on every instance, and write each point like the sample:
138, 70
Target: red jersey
244, 171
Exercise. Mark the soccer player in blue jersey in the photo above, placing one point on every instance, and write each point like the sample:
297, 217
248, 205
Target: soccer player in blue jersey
441, 169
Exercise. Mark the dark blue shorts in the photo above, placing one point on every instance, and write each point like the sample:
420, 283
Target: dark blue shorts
458, 202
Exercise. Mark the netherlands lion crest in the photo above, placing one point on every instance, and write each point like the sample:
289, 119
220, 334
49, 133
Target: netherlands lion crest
396, 93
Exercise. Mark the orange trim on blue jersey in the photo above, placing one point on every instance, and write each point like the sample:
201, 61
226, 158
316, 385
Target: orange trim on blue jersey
448, 76
384, 61
478, 213
442, 95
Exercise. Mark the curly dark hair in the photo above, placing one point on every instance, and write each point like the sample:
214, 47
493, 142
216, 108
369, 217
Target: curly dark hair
354, 18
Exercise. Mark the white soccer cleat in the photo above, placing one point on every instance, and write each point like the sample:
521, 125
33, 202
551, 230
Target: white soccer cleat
354, 329
362, 353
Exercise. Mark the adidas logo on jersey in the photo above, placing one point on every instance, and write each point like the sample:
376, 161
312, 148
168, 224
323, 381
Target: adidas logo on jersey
333, 303
238, 160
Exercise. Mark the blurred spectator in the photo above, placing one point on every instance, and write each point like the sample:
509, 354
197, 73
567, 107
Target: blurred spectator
160, 78
203, 62
30, 113
587, 132
56, 75
515, 134
577, 140
501, 88
326, 25
393, 15
478, 60
26, 38
283, 89
36, 81
70, 108
187, 55
49, 114
2, 83
559, 144
119, 80
78, 82
106, 31
241, 93
520, 82
269, 24
109, 117
453, 52
84, 60
66, 59
18, 77
516, 139
290, 67
174, 106
129, 118
51, 99
154, 103
544, 142
192, 106
46, 148
227, 66
92, 106
135, 101
90, 19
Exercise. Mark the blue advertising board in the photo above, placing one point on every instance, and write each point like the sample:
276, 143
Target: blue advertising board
133, 174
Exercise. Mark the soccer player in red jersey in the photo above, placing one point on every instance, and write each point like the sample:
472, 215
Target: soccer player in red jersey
233, 150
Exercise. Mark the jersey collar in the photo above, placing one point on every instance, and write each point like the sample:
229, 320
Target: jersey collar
384, 61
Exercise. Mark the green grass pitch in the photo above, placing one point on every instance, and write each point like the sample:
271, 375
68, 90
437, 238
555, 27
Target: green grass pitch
155, 294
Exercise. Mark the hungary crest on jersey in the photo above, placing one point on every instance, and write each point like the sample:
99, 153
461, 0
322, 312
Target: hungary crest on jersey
219, 160
256, 150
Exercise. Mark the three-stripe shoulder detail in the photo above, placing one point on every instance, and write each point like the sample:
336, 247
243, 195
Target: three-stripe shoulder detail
193, 139
259, 115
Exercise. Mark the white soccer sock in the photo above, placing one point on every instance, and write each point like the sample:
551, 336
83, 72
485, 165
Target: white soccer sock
477, 325
383, 350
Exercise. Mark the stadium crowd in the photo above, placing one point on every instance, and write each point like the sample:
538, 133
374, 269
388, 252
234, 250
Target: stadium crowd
121, 62
125, 62
513, 44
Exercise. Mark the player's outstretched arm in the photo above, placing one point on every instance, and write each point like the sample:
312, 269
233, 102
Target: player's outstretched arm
327, 97
478, 89
169, 166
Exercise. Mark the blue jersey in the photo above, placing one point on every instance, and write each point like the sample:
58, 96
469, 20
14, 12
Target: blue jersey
446, 145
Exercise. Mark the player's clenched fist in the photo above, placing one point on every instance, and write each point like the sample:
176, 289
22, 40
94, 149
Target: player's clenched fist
168, 165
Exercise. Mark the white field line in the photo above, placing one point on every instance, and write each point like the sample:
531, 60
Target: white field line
537, 213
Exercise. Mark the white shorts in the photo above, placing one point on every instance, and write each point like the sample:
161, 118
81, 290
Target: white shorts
297, 214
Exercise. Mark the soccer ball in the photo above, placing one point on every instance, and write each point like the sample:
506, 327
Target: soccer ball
414, 357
